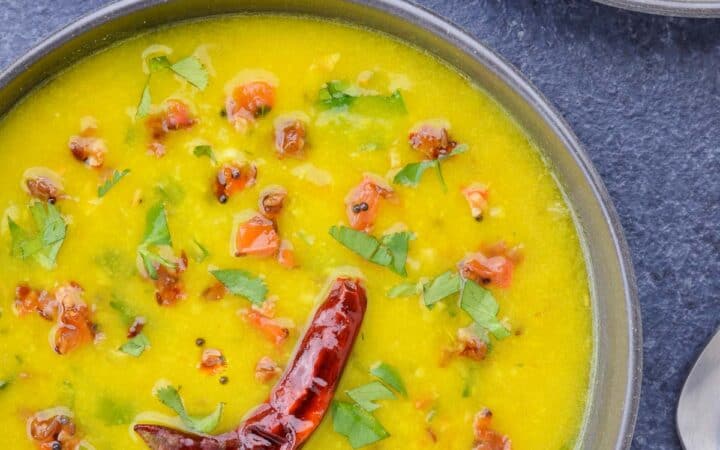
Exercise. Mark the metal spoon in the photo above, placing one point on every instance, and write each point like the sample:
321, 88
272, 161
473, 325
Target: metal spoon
698, 414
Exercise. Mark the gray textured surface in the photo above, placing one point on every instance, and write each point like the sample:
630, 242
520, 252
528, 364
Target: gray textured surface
641, 92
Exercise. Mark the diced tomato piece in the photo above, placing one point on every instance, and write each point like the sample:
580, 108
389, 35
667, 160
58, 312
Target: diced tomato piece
266, 369
276, 330
29, 300
136, 327
362, 203
432, 140
477, 197
497, 270
87, 147
257, 237
175, 115
74, 326
43, 188
215, 292
169, 288
485, 437
290, 138
286, 254
470, 344
232, 178
248, 102
53, 431
212, 361
272, 200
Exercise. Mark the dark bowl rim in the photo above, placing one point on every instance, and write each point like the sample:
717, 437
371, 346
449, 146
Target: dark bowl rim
678, 8
509, 74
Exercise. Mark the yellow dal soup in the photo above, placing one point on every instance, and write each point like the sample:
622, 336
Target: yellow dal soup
175, 208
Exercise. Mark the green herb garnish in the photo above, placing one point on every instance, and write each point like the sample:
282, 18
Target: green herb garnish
157, 233
113, 412
367, 394
390, 251
135, 346
390, 376
44, 244
204, 150
359, 426
200, 253
480, 304
193, 71
341, 94
403, 290
441, 287
242, 283
112, 181
411, 174
170, 397
143, 108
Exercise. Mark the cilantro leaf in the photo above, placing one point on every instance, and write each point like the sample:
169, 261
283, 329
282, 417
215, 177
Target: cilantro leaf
204, 150
480, 304
343, 95
200, 252
403, 290
135, 346
43, 245
390, 376
390, 252
410, 174
334, 94
143, 108
441, 287
112, 181
359, 426
367, 394
242, 283
170, 397
157, 231
158, 63
193, 71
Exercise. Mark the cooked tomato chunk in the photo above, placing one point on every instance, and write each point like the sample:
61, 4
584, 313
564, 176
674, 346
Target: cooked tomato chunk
432, 140
215, 292
258, 236
485, 437
276, 330
169, 288
42, 184
362, 203
74, 325
493, 265
471, 345
271, 201
232, 178
53, 430
212, 361
477, 197
87, 147
290, 137
29, 300
136, 327
266, 369
249, 101
174, 115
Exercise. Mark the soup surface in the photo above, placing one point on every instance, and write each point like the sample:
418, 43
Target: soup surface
110, 293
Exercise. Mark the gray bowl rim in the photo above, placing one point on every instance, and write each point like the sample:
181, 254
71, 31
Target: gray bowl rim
459, 38
678, 8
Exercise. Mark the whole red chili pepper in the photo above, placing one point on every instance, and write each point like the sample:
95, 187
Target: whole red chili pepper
301, 397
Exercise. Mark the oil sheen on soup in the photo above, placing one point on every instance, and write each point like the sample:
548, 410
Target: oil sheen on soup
174, 209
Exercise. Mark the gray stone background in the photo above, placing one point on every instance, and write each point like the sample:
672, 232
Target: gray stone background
642, 94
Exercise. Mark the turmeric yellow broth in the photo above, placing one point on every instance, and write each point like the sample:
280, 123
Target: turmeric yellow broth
278, 150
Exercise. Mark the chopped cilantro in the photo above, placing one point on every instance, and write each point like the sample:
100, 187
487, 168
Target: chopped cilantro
157, 233
411, 174
199, 253
403, 290
391, 251
143, 108
341, 94
135, 346
45, 243
359, 426
441, 287
367, 394
242, 283
112, 181
158, 63
170, 397
480, 304
114, 412
390, 376
193, 71
335, 94
4, 384
204, 150
123, 309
